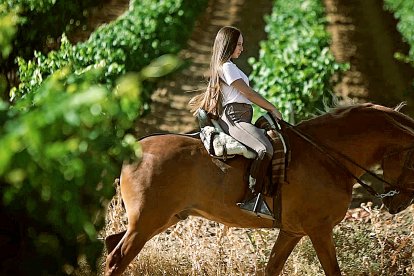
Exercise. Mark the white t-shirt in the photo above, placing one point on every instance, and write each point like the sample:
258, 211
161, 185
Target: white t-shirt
229, 73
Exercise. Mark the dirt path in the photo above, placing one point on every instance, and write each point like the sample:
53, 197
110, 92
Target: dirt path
364, 35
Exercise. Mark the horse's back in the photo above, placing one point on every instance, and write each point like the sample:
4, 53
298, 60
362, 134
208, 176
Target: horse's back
170, 144
183, 149
172, 158
164, 156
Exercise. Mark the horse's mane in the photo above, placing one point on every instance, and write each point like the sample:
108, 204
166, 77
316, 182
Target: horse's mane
392, 114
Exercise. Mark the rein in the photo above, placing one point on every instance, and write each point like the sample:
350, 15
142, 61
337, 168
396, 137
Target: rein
325, 149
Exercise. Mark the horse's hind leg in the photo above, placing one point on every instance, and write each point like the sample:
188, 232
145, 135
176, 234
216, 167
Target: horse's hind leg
281, 250
149, 212
133, 241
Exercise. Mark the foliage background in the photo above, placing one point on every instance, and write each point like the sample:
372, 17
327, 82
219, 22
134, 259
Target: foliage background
66, 131
403, 11
295, 69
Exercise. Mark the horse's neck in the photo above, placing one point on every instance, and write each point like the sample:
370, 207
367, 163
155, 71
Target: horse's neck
361, 136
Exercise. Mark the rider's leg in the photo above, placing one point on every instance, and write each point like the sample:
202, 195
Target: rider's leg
237, 120
256, 204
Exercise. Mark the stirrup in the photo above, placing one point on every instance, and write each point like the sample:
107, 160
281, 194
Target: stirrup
257, 206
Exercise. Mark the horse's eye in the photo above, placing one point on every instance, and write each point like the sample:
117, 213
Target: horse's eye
410, 167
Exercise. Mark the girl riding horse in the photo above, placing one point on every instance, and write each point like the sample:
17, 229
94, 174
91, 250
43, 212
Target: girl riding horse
229, 97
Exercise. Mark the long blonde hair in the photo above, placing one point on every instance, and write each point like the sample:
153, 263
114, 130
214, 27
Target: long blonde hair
223, 48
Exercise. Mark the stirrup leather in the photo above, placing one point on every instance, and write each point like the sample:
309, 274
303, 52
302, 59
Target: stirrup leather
258, 206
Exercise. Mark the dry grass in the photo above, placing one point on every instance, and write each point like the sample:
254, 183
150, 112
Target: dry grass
369, 242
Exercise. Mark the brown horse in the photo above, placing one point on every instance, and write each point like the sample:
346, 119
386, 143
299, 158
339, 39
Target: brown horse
176, 178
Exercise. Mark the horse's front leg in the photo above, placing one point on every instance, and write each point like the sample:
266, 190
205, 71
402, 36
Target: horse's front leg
323, 242
281, 250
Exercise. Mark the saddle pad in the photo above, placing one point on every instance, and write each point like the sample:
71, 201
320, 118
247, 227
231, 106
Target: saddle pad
280, 157
281, 154
220, 144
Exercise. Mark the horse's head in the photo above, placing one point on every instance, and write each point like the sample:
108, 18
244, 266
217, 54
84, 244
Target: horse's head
398, 168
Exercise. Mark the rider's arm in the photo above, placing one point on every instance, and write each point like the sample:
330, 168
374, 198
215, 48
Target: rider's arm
255, 97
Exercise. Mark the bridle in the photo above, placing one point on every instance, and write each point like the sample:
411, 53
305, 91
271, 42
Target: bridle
408, 165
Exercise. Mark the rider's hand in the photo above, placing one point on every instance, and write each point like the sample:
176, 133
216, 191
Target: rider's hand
276, 114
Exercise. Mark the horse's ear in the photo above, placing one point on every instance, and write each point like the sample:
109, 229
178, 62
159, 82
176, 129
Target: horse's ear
400, 106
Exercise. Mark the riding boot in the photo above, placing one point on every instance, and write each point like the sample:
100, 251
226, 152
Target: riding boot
257, 205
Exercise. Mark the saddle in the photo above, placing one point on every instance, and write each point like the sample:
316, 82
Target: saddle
222, 146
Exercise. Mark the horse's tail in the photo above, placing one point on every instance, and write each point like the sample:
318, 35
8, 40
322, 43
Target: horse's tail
111, 241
